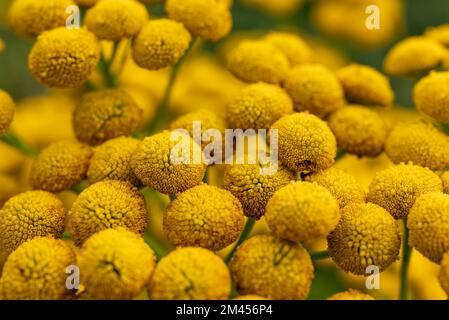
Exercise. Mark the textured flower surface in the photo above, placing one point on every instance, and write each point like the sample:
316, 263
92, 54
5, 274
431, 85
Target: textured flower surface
160, 44
104, 115
428, 223
256, 60
443, 275
366, 235
37, 271
272, 268
397, 188
351, 294
190, 274
108, 21
115, 264
254, 189
305, 142
63, 58
293, 46
60, 166
314, 88
28, 215
105, 205
7, 110
204, 216
153, 166
344, 187
302, 211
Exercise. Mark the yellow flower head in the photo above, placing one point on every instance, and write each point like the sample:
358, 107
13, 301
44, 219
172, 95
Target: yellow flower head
275, 7
63, 58
249, 297
107, 204
190, 274
31, 17
431, 96
443, 275
351, 294
258, 106
302, 211
294, 48
428, 223
343, 186
28, 215
365, 85
207, 19
315, 89
104, 115
305, 142
37, 271
414, 56
254, 189
366, 235
7, 109
272, 268
359, 130
60, 166
397, 188
419, 142
204, 216
112, 161
115, 264
160, 44
153, 166
439, 33
256, 60
116, 19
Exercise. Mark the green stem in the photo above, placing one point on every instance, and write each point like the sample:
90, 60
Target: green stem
158, 249
206, 176
172, 197
250, 222
14, 141
319, 255
105, 66
162, 113
340, 154
406, 254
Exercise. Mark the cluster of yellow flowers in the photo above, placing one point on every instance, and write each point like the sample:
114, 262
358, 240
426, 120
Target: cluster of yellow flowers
89, 192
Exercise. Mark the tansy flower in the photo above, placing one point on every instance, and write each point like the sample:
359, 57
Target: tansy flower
60, 166
315, 89
358, 130
431, 96
7, 109
116, 19
365, 85
343, 186
254, 189
275, 7
207, 19
397, 188
153, 165
443, 275
160, 44
294, 48
414, 56
305, 142
63, 58
439, 33
302, 211
107, 204
351, 294
272, 268
31, 17
256, 60
419, 142
365, 235
428, 223
190, 274
115, 264
37, 271
258, 106
249, 297
104, 115
28, 215
204, 216
112, 161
